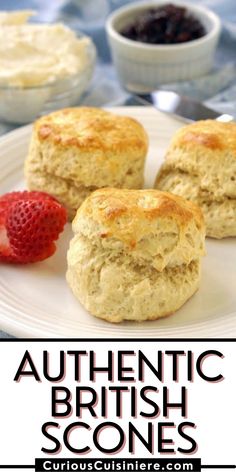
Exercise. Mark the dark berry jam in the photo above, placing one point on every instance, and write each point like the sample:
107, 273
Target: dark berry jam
168, 24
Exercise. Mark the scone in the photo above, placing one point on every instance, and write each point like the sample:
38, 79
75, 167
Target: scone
136, 254
200, 165
77, 150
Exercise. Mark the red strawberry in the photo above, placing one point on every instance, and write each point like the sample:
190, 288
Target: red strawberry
29, 226
8, 198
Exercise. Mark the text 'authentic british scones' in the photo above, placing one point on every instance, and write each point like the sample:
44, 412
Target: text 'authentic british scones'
201, 166
77, 150
136, 254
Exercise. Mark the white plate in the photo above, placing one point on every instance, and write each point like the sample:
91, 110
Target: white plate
35, 300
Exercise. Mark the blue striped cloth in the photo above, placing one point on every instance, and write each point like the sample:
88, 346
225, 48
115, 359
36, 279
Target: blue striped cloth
217, 89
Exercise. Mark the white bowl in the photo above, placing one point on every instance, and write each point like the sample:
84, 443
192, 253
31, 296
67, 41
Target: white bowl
21, 105
141, 67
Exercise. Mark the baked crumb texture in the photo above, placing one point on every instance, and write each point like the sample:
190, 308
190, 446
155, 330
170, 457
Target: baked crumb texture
200, 166
136, 254
77, 150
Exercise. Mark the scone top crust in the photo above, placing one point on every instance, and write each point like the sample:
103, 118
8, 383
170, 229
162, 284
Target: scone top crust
130, 215
205, 152
211, 134
91, 128
136, 254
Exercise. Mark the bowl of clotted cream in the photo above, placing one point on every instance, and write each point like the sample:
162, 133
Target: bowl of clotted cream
43, 67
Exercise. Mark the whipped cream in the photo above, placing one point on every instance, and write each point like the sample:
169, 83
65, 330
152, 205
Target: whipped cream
38, 54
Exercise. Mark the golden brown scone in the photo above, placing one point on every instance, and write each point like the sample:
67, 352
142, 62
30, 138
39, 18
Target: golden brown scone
77, 150
136, 254
201, 166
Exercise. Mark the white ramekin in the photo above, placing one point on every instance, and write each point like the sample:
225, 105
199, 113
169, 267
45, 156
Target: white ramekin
142, 67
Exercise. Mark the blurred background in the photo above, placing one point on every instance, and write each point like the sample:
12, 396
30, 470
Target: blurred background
217, 89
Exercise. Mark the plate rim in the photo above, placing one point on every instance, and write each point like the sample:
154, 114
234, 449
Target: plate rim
202, 328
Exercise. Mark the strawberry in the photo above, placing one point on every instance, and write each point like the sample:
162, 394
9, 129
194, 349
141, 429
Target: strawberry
30, 222
8, 198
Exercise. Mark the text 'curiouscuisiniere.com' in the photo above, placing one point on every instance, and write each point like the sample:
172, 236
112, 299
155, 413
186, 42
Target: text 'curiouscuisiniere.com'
119, 465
